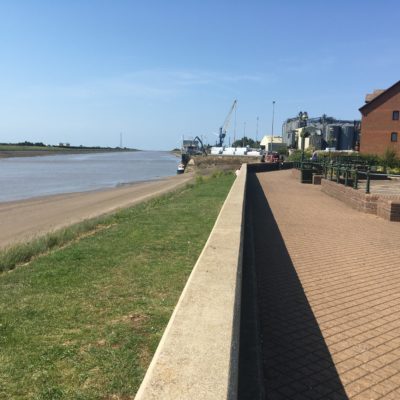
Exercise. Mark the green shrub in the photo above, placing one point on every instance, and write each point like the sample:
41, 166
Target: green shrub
296, 155
389, 159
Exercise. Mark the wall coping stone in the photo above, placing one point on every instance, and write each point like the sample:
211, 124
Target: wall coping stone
198, 355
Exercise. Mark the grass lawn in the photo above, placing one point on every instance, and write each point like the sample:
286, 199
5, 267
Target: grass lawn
83, 321
57, 149
14, 147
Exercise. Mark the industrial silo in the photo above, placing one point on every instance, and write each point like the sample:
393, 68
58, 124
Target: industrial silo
333, 136
316, 140
347, 137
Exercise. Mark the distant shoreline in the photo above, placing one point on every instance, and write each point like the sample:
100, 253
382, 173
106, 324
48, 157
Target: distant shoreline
55, 151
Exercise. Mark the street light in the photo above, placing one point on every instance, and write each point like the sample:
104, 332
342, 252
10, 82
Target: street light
257, 130
273, 115
303, 117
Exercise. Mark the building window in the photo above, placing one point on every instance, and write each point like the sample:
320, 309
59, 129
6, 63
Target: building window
395, 115
393, 137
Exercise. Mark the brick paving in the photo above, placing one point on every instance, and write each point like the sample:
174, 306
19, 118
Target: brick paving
328, 294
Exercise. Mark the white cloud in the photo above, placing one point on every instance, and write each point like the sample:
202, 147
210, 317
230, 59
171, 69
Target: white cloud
146, 84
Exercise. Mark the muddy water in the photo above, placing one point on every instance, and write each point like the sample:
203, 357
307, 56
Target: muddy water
27, 177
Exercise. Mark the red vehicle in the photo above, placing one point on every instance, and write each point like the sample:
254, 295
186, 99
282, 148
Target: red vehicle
272, 157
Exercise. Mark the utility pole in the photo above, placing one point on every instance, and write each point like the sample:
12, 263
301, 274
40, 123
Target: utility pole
120, 140
273, 115
234, 128
257, 130
244, 133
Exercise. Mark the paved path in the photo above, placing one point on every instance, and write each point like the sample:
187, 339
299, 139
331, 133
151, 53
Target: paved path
328, 294
22, 220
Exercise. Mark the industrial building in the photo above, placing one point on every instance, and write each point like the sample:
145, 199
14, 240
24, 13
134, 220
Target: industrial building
327, 132
192, 146
272, 143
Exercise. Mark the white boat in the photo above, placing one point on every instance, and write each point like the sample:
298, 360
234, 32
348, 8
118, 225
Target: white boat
181, 168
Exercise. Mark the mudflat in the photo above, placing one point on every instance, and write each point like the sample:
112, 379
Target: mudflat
26, 219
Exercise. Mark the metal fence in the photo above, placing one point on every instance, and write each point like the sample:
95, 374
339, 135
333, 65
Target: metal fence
348, 174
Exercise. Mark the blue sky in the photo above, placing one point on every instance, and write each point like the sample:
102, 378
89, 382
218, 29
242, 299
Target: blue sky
83, 71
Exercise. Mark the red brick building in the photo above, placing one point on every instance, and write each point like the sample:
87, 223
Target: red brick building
380, 124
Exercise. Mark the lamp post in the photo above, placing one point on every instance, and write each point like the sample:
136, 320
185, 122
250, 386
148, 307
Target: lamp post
303, 117
273, 115
257, 130
302, 135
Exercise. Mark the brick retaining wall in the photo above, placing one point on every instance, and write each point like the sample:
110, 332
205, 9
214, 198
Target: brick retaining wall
354, 198
386, 207
389, 209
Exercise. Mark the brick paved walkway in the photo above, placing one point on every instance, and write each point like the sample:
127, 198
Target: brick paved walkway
328, 294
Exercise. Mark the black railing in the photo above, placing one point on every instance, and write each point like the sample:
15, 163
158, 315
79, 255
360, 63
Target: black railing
263, 167
348, 174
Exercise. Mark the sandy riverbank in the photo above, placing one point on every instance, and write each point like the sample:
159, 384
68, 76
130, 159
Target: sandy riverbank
25, 219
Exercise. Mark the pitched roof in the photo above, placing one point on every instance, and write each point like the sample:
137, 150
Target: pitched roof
378, 97
369, 97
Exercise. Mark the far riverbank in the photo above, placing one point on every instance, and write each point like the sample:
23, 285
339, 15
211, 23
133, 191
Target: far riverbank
52, 151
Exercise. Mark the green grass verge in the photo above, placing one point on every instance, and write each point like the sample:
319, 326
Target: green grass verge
14, 147
23, 253
83, 321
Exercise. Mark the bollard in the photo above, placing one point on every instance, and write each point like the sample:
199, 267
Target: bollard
356, 179
367, 188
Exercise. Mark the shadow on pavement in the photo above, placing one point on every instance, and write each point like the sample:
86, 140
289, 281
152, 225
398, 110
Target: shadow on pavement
283, 353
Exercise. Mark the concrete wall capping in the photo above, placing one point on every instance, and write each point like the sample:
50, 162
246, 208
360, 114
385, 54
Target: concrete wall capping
197, 357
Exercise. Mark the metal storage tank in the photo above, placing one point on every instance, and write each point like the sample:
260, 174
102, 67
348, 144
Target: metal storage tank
347, 138
333, 136
316, 141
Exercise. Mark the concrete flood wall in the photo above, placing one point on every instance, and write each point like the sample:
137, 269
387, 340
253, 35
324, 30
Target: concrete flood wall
198, 355
221, 162
265, 167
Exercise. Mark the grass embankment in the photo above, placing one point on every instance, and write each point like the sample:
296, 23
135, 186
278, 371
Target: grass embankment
15, 150
83, 321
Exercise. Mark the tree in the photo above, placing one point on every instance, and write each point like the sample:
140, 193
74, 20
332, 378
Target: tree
245, 141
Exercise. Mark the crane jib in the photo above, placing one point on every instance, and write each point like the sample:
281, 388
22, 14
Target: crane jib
224, 127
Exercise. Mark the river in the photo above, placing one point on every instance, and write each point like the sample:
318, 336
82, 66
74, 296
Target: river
26, 177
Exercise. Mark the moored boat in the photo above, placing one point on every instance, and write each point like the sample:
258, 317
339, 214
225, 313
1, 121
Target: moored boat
181, 168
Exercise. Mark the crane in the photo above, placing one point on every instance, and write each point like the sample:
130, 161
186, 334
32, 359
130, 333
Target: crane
224, 127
